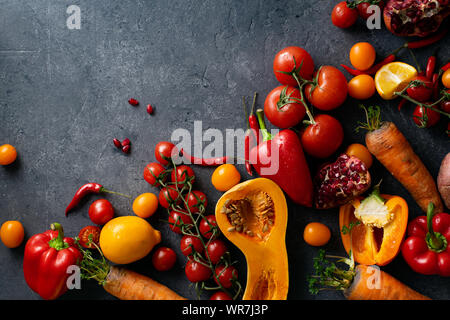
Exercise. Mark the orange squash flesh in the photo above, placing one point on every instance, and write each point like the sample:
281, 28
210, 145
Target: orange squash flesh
266, 256
369, 245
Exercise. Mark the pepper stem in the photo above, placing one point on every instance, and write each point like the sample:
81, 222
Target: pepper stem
265, 134
435, 241
58, 242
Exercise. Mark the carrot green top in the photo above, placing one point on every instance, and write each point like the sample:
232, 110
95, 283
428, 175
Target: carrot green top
373, 118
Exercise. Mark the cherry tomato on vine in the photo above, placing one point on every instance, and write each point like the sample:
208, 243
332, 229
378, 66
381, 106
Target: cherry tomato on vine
445, 105
12, 234
330, 91
420, 92
364, 11
189, 243
361, 87
164, 259
446, 78
225, 275
208, 226
342, 16
145, 205
152, 171
216, 249
183, 174
225, 177
89, 236
195, 199
220, 295
8, 154
177, 219
281, 108
433, 117
361, 152
168, 196
101, 211
362, 55
284, 62
322, 138
196, 271
164, 151
316, 234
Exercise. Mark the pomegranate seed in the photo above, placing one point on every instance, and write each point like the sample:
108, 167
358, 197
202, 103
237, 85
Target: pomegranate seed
126, 148
133, 102
126, 142
149, 109
117, 143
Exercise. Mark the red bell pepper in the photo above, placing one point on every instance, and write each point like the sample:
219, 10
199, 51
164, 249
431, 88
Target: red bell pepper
427, 249
290, 169
46, 259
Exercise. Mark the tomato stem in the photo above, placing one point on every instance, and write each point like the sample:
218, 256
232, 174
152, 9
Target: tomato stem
435, 241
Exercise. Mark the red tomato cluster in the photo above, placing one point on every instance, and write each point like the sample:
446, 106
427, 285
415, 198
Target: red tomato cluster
345, 14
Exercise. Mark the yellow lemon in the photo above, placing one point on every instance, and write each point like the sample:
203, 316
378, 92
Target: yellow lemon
127, 239
393, 77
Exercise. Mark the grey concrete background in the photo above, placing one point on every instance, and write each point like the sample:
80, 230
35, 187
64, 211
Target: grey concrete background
63, 97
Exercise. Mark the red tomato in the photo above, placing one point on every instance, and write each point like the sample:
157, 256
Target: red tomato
208, 227
196, 271
331, 90
363, 9
281, 109
152, 171
342, 16
101, 211
284, 61
188, 243
323, 138
432, 117
225, 275
168, 196
89, 236
164, 151
445, 105
421, 93
182, 175
195, 200
164, 259
216, 249
177, 219
220, 295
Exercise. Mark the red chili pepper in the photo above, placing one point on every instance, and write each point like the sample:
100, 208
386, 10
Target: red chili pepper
248, 143
86, 189
427, 41
204, 161
353, 72
427, 249
253, 120
446, 67
431, 65
390, 58
401, 104
46, 260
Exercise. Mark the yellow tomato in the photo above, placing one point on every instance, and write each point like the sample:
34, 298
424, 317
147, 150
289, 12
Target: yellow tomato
225, 177
362, 55
316, 234
127, 239
12, 233
361, 152
446, 78
361, 87
145, 205
8, 154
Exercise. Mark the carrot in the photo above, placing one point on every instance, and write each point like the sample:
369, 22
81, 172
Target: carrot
129, 285
391, 148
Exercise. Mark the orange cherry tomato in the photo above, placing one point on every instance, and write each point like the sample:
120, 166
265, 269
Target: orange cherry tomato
362, 55
361, 152
225, 177
446, 78
8, 154
316, 234
12, 233
145, 205
361, 87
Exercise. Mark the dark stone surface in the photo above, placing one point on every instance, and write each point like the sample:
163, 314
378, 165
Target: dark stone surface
63, 97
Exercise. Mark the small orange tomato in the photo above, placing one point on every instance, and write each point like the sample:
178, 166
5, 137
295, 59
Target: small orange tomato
225, 177
361, 87
446, 78
145, 205
362, 55
316, 234
361, 152
12, 233
8, 154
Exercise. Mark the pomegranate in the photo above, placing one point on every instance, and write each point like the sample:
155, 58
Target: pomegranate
415, 17
340, 182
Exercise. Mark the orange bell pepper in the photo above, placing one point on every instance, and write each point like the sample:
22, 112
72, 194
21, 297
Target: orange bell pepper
377, 238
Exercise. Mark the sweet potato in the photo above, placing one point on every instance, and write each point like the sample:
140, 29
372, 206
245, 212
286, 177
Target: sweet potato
443, 180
